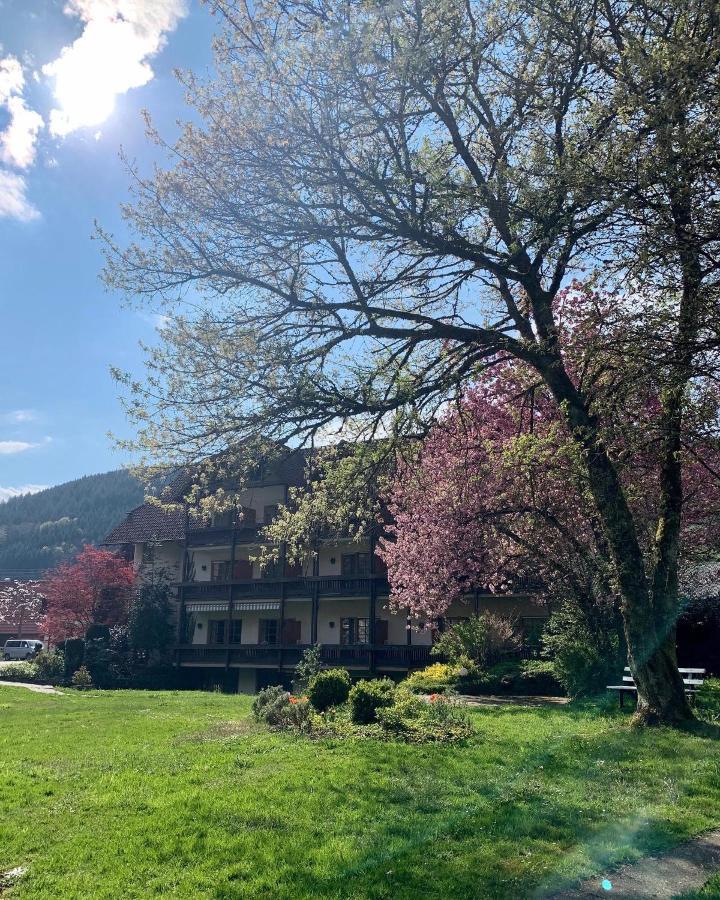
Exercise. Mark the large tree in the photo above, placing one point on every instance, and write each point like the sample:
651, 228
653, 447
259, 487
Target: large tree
92, 589
385, 200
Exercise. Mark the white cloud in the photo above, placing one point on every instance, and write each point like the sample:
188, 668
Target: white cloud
109, 58
8, 448
17, 142
7, 492
13, 202
12, 79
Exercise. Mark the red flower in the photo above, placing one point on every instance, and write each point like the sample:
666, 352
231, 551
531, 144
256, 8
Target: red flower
293, 699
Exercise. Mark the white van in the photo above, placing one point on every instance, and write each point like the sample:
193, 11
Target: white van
21, 649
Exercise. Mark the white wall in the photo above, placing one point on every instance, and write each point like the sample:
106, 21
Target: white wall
328, 552
167, 554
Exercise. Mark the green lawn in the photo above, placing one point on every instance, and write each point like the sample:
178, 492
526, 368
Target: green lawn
140, 794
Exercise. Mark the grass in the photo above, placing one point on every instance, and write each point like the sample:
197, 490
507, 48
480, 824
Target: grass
142, 794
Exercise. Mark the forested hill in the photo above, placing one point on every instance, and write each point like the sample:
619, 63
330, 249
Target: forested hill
39, 530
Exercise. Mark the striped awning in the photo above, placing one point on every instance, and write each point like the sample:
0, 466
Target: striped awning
256, 606
239, 606
218, 606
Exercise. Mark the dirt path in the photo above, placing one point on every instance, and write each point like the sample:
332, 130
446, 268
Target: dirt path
511, 700
38, 688
682, 870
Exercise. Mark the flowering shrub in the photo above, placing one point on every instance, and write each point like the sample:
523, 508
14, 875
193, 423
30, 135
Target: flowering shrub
367, 697
329, 688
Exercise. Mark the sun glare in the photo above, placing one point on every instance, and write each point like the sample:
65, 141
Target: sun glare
105, 61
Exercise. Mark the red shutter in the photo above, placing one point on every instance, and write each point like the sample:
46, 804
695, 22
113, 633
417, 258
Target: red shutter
242, 569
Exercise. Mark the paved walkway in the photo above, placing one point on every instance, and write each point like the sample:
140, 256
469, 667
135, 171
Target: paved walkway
510, 700
38, 688
686, 868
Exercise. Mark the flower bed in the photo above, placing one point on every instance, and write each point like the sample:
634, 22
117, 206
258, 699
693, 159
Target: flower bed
372, 709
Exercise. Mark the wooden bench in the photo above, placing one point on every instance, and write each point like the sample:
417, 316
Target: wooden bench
692, 679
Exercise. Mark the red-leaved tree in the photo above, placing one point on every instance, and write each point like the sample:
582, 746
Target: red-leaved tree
94, 588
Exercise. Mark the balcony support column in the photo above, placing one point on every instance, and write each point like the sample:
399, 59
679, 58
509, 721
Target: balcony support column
281, 626
315, 594
373, 603
230, 590
477, 602
181, 623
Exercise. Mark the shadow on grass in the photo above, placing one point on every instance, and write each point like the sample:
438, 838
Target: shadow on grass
566, 806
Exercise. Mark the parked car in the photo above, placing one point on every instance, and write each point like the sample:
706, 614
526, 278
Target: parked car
21, 649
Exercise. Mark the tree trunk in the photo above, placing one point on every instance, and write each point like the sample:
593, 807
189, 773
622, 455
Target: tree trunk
650, 643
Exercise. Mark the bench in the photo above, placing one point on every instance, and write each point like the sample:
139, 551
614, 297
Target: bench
692, 679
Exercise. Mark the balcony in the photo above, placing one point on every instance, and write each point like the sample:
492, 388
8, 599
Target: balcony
223, 537
327, 586
353, 655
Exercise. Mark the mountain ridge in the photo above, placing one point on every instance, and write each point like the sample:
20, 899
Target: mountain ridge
40, 530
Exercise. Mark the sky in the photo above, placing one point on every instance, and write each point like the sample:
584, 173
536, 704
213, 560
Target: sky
74, 78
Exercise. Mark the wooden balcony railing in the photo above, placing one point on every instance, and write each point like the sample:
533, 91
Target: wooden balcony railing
327, 586
352, 655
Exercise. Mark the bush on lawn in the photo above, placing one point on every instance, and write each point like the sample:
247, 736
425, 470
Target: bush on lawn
434, 679
74, 654
277, 708
50, 667
367, 697
586, 655
481, 640
419, 721
267, 699
514, 676
707, 701
25, 672
82, 679
330, 687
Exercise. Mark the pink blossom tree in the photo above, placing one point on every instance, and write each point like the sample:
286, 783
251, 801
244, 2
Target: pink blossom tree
21, 603
498, 490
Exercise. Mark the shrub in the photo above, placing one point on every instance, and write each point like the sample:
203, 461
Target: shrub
367, 697
537, 676
82, 679
330, 687
50, 667
278, 709
309, 666
586, 656
513, 676
480, 640
420, 721
707, 701
74, 653
267, 700
20, 671
434, 679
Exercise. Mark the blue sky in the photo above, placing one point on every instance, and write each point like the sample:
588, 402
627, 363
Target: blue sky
74, 77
